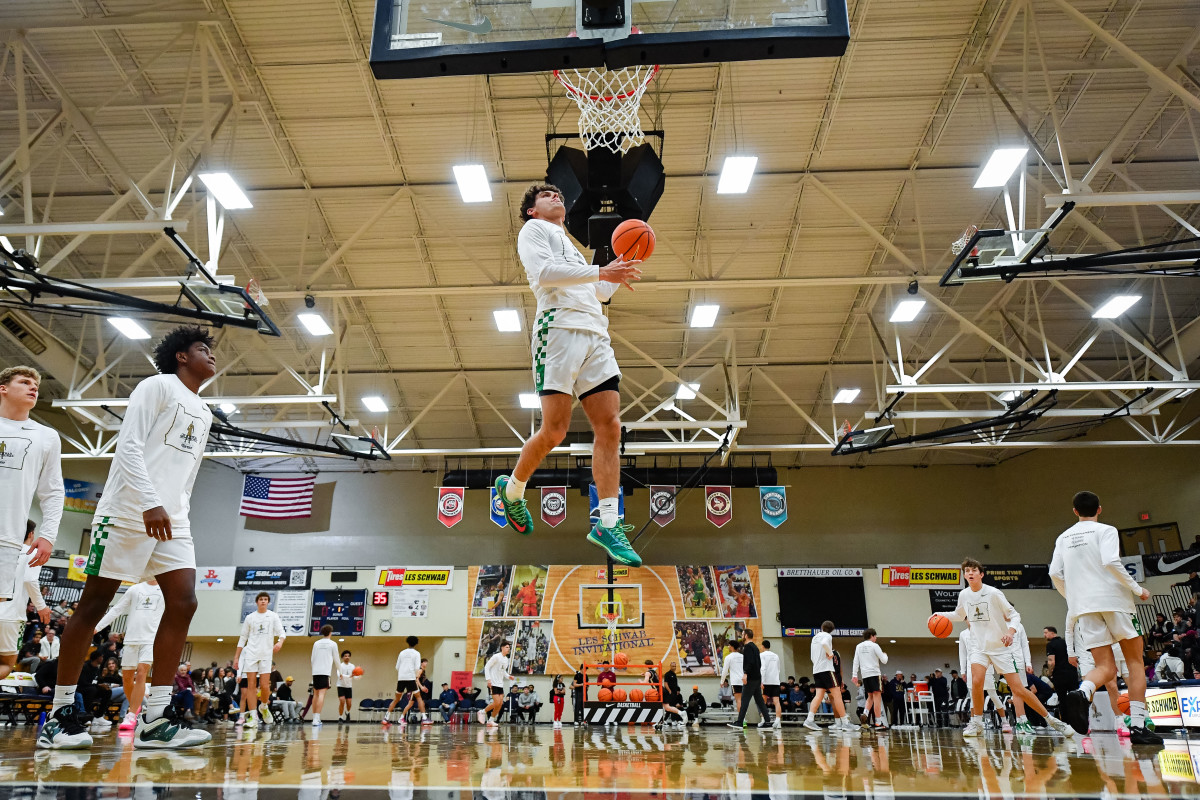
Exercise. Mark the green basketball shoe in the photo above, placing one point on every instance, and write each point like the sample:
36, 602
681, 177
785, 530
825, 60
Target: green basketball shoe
614, 542
515, 511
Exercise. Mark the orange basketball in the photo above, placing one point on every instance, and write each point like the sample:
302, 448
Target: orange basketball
1123, 703
357, 672
618, 695
608, 682
635, 695
633, 240
621, 660
652, 696
940, 625
604, 695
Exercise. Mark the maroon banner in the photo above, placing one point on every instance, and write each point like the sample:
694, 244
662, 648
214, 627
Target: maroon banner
662, 504
450, 505
718, 504
554, 505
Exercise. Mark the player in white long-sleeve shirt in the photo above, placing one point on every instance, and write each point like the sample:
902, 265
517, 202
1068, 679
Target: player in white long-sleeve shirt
324, 661
12, 612
821, 651
495, 672
30, 456
868, 658
769, 664
1087, 570
408, 674
143, 606
572, 355
992, 619
142, 529
732, 673
966, 649
262, 637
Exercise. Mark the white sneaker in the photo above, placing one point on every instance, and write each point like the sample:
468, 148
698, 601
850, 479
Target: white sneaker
101, 724
811, 724
491, 723
252, 720
1061, 727
777, 725
316, 723
481, 716
265, 713
168, 732
974, 728
1006, 727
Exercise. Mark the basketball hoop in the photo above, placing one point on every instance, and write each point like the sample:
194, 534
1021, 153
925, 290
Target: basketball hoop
608, 103
960, 244
256, 293
611, 621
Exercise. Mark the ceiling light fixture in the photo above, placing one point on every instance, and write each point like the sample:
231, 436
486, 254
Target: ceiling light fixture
1116, 306
846, 395
687, 391
473, 183
529, 400
225, 189
129, 327
1000, 167
374, 402
507, 320
906, 310
704, 316
228, 408
315, 323
736, 174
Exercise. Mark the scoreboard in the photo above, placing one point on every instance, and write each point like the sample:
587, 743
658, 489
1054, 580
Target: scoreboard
344, 609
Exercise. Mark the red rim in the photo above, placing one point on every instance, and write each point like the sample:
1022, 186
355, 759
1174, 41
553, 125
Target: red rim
605, 98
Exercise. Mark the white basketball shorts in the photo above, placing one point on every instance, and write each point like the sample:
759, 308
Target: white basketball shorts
131, 555
1003, 663
571, 361
10, 630
1102, 628
134, 654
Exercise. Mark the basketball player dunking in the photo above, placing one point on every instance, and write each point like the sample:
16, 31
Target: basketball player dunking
572, 354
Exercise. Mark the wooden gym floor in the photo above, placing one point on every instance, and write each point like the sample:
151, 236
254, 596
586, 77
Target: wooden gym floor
445, 763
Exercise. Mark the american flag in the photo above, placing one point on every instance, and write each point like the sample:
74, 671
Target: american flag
277, 498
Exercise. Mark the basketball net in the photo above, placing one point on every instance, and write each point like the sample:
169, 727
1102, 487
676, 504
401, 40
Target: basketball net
610, 635
608, 102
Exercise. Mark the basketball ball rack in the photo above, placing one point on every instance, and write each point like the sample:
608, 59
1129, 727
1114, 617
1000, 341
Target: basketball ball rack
627, 711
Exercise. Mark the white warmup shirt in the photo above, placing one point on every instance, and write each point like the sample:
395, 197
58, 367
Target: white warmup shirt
496, 670
408, 663
30, 464
159, 451
324, 656
989, 614
868, 656
1087, 570
568, 289
259, 632
769, 665
732, 670
28, 588
821, 651
966, 647
345, 678
144, 606
1020, 645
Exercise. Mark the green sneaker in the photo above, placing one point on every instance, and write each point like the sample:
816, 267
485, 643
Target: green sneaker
615, 543
515, 511
1024, 729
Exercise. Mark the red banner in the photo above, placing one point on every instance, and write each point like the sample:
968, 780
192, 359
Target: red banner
450, 505
554, 505
718, 504
662, 504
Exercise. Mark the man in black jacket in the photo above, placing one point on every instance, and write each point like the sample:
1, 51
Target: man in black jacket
752, 670
897, 688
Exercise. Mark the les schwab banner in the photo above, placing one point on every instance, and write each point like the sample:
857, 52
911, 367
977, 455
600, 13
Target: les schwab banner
920, 576
416, 577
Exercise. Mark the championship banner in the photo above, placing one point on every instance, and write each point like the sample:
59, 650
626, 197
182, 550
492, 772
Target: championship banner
272, 577
920, 576
420, 577
210, 578
450, 505
773, 502
942, 601
1171, 563
497, 508
718, 504
662, 504
1018, 576
594, 504
554, 505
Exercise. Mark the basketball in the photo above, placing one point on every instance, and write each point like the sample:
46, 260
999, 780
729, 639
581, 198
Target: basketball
636, 695
607, 682
618, 695
652, 696
357, 672
1123, 704
940, 625
621, 660
604, 695
633, 240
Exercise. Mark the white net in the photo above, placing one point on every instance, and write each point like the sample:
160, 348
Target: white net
608, 103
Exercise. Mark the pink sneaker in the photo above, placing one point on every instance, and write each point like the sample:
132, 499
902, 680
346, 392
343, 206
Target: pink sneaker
1122, 730
130, 722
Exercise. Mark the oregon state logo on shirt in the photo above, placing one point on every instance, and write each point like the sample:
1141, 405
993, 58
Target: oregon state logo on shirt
187, 432
13, 451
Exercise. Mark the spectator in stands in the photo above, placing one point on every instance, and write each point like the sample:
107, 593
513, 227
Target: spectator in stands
696, 705
50, 646
60, 613
1160, 631
208, 692
110, 676
528, 704
958, 687
276, 677
90, 695
468, 695
184, 695
897, 687
577, 696
1063, 674
449, 700
1169, 666
46, 676
1192, 583
228, 692
797, 698
725, 696
671, 678
287, 703
511, 705
30, 655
